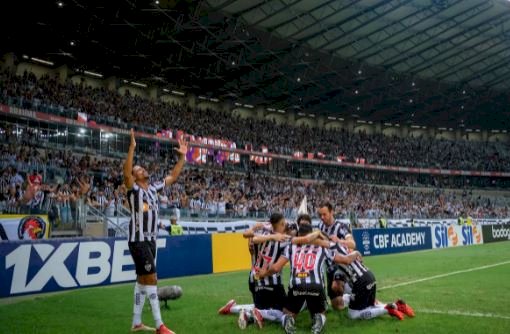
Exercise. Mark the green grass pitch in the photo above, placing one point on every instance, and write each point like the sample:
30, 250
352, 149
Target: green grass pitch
455, 290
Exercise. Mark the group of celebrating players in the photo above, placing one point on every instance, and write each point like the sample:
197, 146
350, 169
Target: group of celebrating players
331, 249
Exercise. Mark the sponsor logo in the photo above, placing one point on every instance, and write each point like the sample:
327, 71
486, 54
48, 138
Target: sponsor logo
148, 267
398, 240
69, 265
471, 235
31, 228
366, 242
446, 236
302, 275
304, 293
501, 232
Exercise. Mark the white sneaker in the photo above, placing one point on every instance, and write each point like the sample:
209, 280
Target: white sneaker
242, 321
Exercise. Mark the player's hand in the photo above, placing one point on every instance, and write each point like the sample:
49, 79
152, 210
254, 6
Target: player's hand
183, 147
335, 239
280, 237
258, 226
262, 273
133, 140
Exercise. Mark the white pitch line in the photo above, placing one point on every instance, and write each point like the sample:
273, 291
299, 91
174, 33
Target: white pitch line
443, 275
466, 314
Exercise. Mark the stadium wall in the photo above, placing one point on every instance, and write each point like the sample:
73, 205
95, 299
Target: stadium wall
38, 266
28, 267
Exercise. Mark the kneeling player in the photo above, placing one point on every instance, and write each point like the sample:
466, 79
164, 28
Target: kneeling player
306, 280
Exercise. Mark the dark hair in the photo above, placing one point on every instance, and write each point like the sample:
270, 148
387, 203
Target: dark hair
304, 216
327, 205
275, 218
304, 229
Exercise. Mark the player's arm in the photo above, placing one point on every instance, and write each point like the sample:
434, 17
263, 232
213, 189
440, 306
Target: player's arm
174, 174
250, 233
258, 239
128, 164
348, 242
307, 239
347, 259
274, 268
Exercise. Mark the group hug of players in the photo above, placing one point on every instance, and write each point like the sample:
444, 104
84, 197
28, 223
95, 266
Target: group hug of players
331, 249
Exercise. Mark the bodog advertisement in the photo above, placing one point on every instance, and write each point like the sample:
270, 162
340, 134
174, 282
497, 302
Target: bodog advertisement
497, 232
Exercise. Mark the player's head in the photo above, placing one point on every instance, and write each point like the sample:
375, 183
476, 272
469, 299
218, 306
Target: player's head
305, 229
173, 220
304, 219
277, 221
326, 213
291, 229
140, 173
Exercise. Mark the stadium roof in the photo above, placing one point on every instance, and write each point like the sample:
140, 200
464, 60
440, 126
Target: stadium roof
427, 62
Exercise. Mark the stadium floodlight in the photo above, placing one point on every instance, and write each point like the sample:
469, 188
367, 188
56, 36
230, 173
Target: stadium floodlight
495, 131
176, 92
60, 4
237, 104
138, 84
301, 114
298, 79
450, 129
357, 108
388, 124
248, 106
42, 61
441, 129
270, 109
25, 57
82, 130
201, 97
477, 130
94, 74
397, 125
281, 111
361, 121
332, 118
415, 126
340, 119
370, 122
356, 92
213, 99
166, 90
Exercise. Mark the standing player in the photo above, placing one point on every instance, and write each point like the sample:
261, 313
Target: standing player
306, 278
337, 232
143, 230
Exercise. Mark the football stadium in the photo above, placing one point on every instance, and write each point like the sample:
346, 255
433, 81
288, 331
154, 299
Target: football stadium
256, 166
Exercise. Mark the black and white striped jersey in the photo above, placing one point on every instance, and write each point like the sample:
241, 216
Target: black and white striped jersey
266, 254
353, 271
144, 207
307, 264
338, 229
